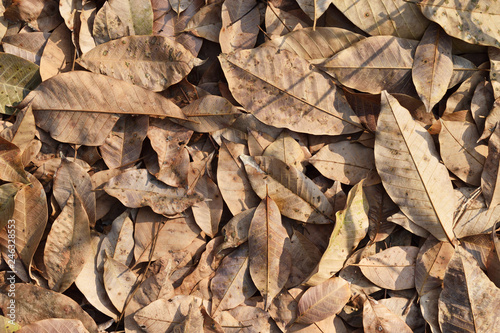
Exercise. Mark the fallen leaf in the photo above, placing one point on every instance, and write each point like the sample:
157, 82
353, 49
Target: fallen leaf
240, 25
55, 325
57, 56
42, 15
323, 301
490, 177
23, 131
305, 256
393, 268
404, 157
27, 45
236, 230
377, 318
119, 282
494, 55
119, 242
11, 167
207, 22
272, 97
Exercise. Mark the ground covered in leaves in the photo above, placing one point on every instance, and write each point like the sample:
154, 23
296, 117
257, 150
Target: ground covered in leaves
250, 166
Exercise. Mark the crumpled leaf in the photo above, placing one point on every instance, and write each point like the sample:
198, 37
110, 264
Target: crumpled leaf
323, 301
393, 268
295, 194
385, 17
350, 228
269, 251
282, 95
469, 300
408, 164
137, 188
432, 66
151, 62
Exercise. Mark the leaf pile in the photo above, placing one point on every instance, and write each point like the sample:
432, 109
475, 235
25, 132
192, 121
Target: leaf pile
246, 166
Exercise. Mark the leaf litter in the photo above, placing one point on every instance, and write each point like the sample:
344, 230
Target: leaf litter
247, 166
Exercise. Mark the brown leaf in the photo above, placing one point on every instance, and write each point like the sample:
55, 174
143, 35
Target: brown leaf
119, 282
305, 256
393, 268
232, 178
432, 66
193, 321
124, 143
298, 99
286, 149
42, 15
323, 301
469, 300
57, 56
408, 164
432, 259
232, 283
119, 242
151, 62
279, 22
240, 25
377, 318
35, 303
98, 101
23, 131
137, 188
494, 55
460, 151
56, 325
208, 213
236, 229
481, 104
28, 45
490, 176
319, 43
11, 167
381, 208
67, 245
207, 22
269, 251
295, 194
347, 162
7, 196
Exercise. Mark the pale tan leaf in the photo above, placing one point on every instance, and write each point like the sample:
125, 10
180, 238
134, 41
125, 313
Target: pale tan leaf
235, 231
295, 194
7, 194
460, 151
258, 142
431, 263
269, 251
323, 301
169, 141
162, 315
137, 188
173, 234
430, 309
494, 55
240, 25
381, 208
40, 15
23, 131
385, 17
432, 66
331, 324
135, 16
491, 120
374, 64
232, 283
11, 167
480, 247
119, 242
352, 272
314, 8
104, 202
71, 177
350, 228
282, 95
90, 282
67, 245
473, 22
57, 56
490, 178
108, 26
86, 40
151, 62
319, 43
469, 300
207, 22
124, 143
347, 162
119, 282
378, 318
462, 70
193, 322
28, 45
286, 149
393, 268
252, 318
207, 214
56, 325
280, 22
30, 214
481, 104
34, 303
402, 220
180, 5
69, 10
88, 117
209, 113
305, 256
232, 178
408, 164
461, 99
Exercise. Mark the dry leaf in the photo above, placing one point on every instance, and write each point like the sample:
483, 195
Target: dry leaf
494, 55
42, 15
28, 45
119, 282
119, 242
137, 188
23, 131
287, 96
236, 230
393, 268
208, 213
323, 301
207, 22
269, 251
55, 325
350, 228
408, 164
305, 256
240, 25
296, 195
469, 300
57, 56
432, 66
490, 177
11, 166
378, 318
